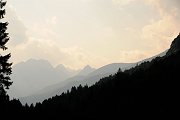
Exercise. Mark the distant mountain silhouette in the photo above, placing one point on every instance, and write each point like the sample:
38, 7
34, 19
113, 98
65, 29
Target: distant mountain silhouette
57, 80
149, 88
33, 75
86, 70
51, 90
111, 68
81, 78
87, 76
64, 72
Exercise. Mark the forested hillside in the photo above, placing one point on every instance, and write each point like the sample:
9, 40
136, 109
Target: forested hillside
148, 88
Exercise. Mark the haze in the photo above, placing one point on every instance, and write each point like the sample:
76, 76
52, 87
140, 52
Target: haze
90, 32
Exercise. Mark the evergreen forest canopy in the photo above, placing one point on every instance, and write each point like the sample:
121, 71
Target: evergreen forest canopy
150, 87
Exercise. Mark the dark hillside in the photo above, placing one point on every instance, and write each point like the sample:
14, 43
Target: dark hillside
149, 88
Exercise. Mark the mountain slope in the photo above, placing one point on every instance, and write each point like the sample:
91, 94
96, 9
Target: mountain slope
110, 68
175, 46
33, 75
149, 88
87, 76
86, 70
89, 80
64, 73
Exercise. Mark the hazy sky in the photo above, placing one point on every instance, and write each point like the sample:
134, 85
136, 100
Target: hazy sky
94, 32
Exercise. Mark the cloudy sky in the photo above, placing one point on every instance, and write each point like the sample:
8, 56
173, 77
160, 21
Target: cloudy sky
90, 32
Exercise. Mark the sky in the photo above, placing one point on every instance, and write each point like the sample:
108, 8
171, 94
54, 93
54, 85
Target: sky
77, 33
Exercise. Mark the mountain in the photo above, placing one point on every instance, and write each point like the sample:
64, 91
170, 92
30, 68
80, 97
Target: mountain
68, 78
151, 58
175, 46
33, 75
51, 90
110, 68
84, 78
64, 72
114, 67
87, 76
86, 70
150, 88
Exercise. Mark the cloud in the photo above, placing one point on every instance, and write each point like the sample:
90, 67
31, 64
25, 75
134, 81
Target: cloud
40, 41
53, 20
160, 33
16, 28
37, 48
164, 7
73, 57
133, 55
43, 30
122, 2
92, 32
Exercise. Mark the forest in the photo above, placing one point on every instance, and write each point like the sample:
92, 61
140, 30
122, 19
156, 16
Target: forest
146, 89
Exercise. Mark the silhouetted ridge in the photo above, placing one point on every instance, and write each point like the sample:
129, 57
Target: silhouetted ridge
175, 46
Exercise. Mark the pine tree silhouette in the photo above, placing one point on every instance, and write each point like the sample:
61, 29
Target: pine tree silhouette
5, 66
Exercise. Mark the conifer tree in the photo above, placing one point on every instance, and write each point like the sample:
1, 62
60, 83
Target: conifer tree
5, 66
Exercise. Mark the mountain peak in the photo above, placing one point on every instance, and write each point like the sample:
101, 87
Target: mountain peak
87, 67
61, 66
175, 46
86, 70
